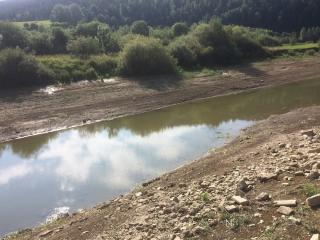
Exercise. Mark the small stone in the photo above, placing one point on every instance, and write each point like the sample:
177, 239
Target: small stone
264, 177
240, 200
299, 173
84, 233
231, 208
138, 194
314, 201
286, 203
263, 197
315, 237
295, 220
313, 175
45, 233
285, 210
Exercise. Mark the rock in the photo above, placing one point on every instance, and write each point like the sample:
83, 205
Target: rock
295, 220
264, 177
198, 230
309, 133
314, 201
263, 197
316, 166
315, 237
299, 173
138, 194
285, 210
240, 200
243, 186
45, 233
286, 203
84, 233
316, 150
313, 175
231, 208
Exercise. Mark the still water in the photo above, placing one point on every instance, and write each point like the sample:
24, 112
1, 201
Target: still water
77, 168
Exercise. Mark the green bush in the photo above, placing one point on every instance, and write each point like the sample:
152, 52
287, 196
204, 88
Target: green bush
84, 46
217, 46
18, 69
146, 56
186, 50
104, 65
140, 28
180, 29
12, 36
41, 43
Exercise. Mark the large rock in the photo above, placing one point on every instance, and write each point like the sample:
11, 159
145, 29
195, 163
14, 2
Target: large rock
309, 133
240, 200
286, 203
313, 175
315, 237
314, 201
264, 177
285, 210
263, 197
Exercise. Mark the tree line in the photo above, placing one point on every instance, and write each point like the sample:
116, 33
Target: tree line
279, 15
94, 50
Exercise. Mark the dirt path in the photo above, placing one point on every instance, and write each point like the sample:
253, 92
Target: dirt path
272, 157
27, 112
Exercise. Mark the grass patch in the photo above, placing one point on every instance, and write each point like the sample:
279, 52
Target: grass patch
302, 46
203, 72
205, 197
45, 23
310, 189
235, 221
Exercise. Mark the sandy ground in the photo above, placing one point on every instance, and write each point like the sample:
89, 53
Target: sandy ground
32, 111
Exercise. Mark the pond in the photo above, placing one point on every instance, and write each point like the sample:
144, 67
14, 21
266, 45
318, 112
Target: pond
69, 170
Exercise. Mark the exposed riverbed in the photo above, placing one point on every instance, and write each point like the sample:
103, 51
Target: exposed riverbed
77, 168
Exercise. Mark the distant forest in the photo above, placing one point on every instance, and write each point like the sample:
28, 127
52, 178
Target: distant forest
278, 15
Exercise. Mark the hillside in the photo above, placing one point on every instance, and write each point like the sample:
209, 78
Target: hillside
279, 15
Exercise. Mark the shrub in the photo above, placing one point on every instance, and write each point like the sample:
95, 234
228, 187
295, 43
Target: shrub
41, 43
89, 29
146, 56
186, 50
84, 46
140, 27
104, 65
180, 29
59, 40
247, 47
217, 46
12, 36
18, 69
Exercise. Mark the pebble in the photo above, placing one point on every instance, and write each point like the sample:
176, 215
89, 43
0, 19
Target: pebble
285, 210
286, 203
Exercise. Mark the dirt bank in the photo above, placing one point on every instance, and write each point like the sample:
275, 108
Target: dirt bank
274, 157
27, 112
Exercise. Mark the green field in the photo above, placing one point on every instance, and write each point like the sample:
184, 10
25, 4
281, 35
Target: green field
45, 23
301, 46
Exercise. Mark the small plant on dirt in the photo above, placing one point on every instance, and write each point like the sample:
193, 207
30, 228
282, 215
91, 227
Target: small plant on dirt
205, 197
310, 190
235, 221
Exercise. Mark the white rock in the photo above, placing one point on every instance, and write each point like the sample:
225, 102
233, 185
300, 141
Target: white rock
240, 200
286, 203
315, 237
285, 210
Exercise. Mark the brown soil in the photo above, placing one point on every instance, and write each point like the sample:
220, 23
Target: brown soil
28, 112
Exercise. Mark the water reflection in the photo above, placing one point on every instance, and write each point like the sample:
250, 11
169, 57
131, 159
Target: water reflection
77, 168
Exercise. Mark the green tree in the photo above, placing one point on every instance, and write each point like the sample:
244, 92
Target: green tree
59, 40
140, 27
146, 56
12, 36
18, 69
84, 46
180, 29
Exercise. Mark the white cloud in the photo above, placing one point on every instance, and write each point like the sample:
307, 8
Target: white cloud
11, 173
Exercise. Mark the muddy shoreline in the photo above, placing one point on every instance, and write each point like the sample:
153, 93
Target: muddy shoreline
29, 112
